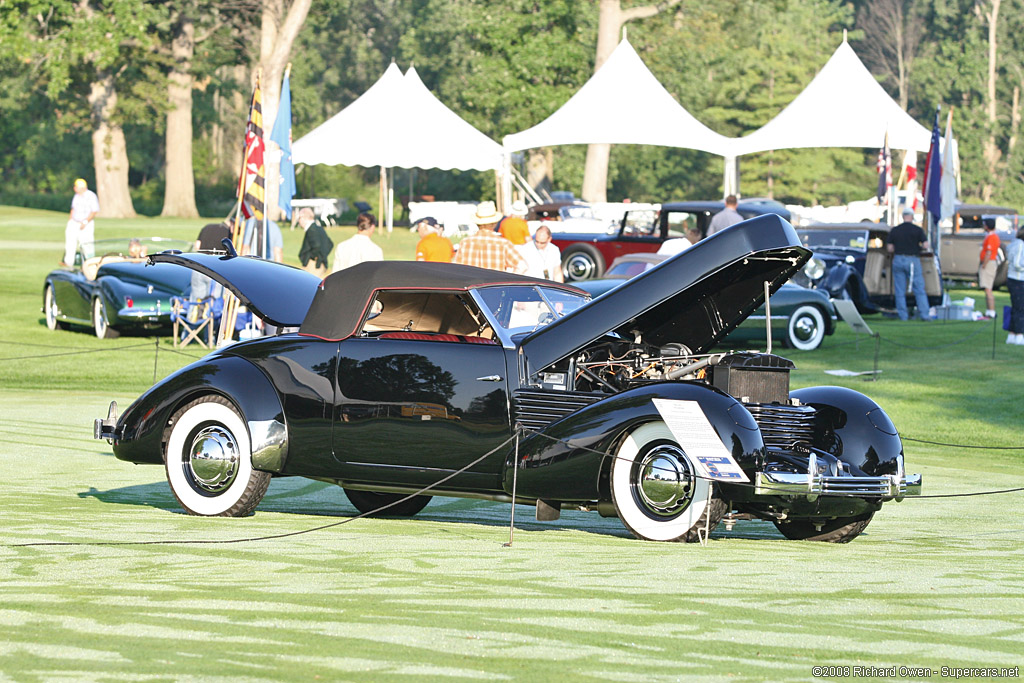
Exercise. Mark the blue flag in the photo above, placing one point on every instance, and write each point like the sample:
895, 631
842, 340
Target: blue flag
933, 175
282, 135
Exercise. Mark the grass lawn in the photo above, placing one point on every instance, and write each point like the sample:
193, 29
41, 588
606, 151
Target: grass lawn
932, 583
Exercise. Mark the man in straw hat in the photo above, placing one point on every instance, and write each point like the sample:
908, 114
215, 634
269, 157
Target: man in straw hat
488, 249
80, 228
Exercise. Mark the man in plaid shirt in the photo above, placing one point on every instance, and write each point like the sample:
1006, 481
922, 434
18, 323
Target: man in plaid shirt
488, 249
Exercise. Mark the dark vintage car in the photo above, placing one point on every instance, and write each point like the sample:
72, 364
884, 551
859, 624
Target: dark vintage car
850, 261
110, 289
960, 244
586, 255
621, 404
801, 317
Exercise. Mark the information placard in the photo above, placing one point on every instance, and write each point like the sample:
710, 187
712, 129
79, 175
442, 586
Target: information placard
692, 430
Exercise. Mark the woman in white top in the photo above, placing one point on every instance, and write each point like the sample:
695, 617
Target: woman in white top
1015, 283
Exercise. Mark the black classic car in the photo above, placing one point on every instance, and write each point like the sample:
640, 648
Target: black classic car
850, 261
585, 255
110, 289
801, 317
406, 376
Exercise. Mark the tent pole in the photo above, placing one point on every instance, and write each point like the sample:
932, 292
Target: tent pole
380, 195
391, 200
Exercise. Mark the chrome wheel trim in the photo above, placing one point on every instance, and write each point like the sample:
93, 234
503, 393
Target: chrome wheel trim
580, 266
663, 481
212, 461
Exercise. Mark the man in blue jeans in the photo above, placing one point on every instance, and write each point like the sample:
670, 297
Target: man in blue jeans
906, 242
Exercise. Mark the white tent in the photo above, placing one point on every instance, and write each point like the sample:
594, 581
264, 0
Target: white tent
398, 122
623, 103
844, 106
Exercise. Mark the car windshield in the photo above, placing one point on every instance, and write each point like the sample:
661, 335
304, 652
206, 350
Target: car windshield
129, 248
851, 240
522, 308
627, 269
576, 211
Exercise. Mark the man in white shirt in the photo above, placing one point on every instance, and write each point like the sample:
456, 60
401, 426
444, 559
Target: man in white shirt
359, 247
80, 228
543, 259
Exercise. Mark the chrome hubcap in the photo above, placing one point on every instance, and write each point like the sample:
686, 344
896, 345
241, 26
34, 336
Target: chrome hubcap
663, 481
213, 459
805, 328
580, 267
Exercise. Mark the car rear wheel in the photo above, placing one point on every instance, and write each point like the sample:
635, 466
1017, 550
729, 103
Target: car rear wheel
656, 489
369, 501
839, 530
806, 328
100, 322
209, 465
50, 310
582, 262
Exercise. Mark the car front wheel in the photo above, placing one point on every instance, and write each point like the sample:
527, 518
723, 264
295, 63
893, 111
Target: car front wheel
583, 262
806, 328
50, 309
208, 461
371, 501
657, 490
839, 530
100, 322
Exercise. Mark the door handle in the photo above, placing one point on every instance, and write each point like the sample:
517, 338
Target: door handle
490, 378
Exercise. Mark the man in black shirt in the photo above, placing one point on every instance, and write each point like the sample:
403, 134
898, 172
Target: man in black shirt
906, 242
211, 235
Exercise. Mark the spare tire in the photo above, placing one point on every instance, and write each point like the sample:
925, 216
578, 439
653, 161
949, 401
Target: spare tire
582, 262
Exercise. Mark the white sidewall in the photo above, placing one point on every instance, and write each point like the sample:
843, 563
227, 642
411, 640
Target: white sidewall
622, 495
819, 335
51, 316
194, 502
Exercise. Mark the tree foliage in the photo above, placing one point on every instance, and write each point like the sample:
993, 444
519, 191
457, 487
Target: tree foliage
505, 66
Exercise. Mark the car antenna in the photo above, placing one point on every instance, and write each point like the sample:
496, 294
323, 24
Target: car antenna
229, 246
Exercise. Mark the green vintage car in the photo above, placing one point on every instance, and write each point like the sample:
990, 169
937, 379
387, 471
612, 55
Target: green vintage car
801, 317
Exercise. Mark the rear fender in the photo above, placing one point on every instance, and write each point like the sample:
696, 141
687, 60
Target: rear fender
865, 437
568, 458
141, 430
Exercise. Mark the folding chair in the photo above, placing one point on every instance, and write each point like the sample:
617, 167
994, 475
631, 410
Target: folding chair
190, 320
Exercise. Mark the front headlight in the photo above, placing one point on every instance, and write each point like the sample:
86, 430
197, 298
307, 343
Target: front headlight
814, 269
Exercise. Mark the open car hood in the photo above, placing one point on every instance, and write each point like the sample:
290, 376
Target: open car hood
694, 298
277, 293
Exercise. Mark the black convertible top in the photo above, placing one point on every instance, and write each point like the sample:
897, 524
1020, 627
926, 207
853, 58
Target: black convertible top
342, 298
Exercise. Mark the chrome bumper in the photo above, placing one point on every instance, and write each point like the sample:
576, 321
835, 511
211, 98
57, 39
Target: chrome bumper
104, 428
815, 483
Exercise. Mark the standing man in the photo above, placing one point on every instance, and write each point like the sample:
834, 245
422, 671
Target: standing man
543, 259
488, 249
906, 242
988, 262
80, 228
316, 245
513, 227
726, 217
359, 247
433, 246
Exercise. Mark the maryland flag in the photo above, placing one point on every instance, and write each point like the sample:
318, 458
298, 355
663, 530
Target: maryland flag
252, 183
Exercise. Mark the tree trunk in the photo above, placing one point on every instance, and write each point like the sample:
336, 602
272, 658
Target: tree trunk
278, 30
179, 188
109, 150
991, 150
611, 18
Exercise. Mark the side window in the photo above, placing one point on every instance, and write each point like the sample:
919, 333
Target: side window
429, 313
679, 222
641, 223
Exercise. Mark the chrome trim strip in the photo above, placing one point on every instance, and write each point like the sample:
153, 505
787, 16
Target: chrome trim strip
887, 487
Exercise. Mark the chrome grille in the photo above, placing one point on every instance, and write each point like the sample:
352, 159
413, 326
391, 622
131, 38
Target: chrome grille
536, 409
783, 425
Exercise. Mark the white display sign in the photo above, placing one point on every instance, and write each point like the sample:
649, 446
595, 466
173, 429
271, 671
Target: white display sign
692, 430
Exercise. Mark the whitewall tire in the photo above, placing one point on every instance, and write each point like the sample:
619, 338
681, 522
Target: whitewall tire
806, 328
656, 490
100, 321
208, 461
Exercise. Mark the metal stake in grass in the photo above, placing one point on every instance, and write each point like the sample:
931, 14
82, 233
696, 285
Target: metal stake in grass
515, 471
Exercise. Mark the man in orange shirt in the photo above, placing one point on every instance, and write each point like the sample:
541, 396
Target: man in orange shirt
513, 227
988, 264
432, 245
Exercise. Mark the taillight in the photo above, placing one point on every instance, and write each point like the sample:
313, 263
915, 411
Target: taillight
128, 301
